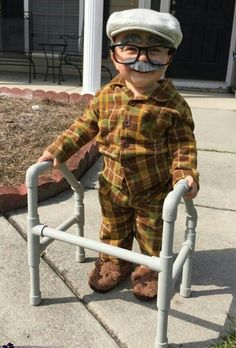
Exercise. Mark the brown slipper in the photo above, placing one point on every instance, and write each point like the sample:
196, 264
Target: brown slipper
144, 282
107, 274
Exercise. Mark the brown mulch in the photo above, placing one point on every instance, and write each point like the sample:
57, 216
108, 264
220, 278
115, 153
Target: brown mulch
27, 127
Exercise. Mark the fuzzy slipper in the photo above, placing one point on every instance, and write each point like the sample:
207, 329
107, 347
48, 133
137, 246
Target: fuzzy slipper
107, 274
144, 282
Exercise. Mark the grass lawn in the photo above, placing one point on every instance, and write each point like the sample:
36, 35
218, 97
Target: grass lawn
227, 342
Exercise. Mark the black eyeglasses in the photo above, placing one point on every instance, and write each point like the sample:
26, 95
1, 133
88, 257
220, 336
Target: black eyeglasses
128, 54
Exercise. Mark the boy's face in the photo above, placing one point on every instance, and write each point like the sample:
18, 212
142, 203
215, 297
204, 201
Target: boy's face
135, 64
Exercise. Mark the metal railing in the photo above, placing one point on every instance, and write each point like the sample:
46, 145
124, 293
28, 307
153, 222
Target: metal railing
40, 236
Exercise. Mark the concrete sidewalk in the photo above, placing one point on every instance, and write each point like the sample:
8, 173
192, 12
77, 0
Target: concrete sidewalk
72, 315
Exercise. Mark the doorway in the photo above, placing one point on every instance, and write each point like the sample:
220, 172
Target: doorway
207, 27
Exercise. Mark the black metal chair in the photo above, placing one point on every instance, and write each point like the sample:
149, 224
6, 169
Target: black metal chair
73, 55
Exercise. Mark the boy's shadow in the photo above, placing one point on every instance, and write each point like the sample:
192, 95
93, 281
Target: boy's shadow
214, 269
210, 267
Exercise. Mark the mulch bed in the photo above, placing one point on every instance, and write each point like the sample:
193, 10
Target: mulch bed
27, 127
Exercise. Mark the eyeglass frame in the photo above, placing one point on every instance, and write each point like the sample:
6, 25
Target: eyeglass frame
140, 48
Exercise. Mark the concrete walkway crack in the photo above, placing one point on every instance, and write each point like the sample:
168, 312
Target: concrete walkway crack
214, 208
70, 286
218, 151
85, 303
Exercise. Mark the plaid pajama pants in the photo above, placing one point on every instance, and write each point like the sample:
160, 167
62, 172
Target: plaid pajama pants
126, 216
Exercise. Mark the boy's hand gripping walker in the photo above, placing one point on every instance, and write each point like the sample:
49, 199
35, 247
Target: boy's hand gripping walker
40, 236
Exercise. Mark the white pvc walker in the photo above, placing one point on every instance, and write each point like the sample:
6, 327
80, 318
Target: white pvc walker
40, 236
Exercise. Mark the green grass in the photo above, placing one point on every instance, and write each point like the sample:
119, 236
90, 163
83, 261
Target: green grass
227, 342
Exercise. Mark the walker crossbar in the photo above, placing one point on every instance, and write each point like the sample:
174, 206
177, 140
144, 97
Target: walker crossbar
131, 256
40, 236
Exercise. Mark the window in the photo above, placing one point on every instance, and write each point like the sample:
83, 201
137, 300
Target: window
52, 18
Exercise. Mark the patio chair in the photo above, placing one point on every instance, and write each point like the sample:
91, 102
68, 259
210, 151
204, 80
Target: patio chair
73, 55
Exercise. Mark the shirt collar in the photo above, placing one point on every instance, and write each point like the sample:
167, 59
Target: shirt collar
161, 94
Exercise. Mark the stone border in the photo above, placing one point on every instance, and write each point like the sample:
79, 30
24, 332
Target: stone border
49, 184
28, 93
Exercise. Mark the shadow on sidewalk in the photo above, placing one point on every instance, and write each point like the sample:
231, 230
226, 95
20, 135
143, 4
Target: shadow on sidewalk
212, 270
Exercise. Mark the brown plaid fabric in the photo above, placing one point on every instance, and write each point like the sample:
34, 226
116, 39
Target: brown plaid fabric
145, 140
127, 216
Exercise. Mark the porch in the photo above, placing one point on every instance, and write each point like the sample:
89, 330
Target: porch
15, 76
93, 19
72, 83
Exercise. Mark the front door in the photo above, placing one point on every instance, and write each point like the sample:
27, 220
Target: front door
207, 27
12, 25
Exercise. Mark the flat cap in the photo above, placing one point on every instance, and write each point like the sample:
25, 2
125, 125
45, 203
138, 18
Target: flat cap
158, 23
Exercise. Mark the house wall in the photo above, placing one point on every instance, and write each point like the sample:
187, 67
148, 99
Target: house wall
120, 5
155, 5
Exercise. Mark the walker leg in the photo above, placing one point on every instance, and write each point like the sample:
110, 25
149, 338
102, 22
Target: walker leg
79, 210
185, 287
34, 261
33, 245
35, 295
80, 254
161, 340
164, 285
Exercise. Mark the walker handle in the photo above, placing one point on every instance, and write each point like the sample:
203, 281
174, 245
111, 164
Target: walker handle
169, 212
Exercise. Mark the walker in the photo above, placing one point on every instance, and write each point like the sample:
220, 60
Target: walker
40, 236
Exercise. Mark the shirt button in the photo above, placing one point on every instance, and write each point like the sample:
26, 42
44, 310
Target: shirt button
125, 144
126, 123
132, 103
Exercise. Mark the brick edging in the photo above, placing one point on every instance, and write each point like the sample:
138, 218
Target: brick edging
48, 186
28, 93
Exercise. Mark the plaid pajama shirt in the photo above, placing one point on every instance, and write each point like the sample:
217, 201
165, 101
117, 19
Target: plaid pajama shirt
147, 143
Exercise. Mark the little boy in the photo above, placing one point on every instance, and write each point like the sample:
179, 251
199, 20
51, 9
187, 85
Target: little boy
144, 129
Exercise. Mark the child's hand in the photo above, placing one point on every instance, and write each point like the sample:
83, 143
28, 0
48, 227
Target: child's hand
193, 188
47, 156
